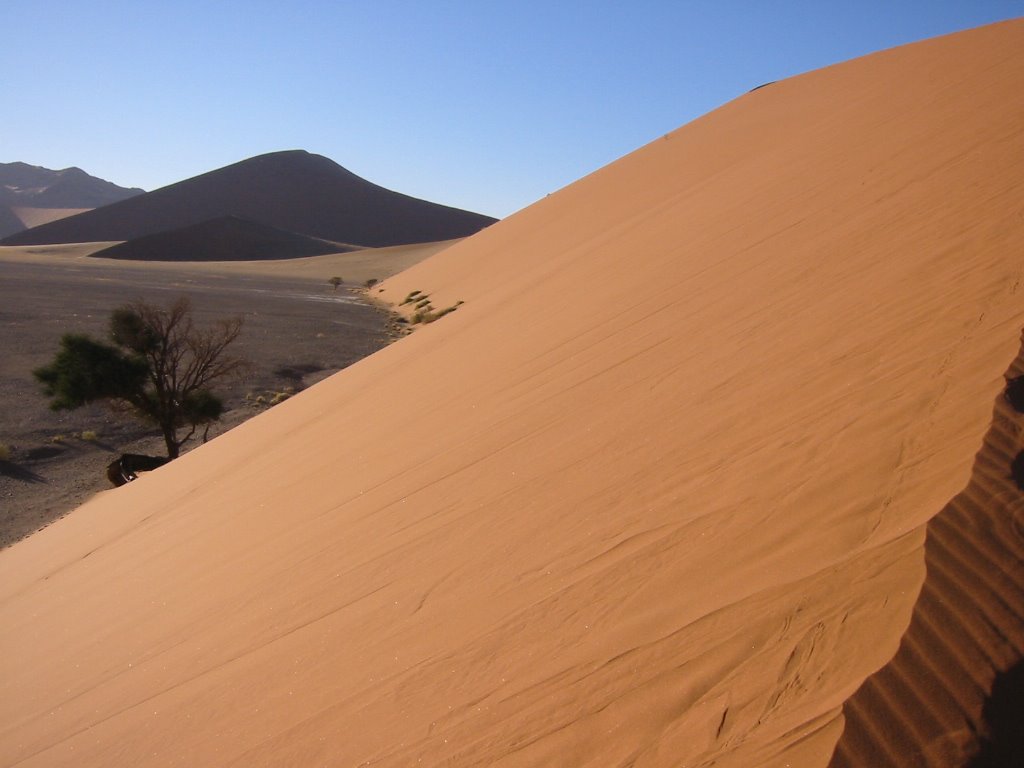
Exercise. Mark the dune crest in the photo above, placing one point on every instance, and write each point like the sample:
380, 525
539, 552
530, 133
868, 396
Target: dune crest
655, 494
930, 705
294, 191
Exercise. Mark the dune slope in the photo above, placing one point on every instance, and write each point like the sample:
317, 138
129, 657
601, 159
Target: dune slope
928, 706
656, 494
223, 239
293, 191
31, 195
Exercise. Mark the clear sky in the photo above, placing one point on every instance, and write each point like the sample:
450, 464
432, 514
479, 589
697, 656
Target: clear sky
482, 104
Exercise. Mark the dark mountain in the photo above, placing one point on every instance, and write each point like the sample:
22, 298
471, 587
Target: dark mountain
227, 238
294, 191
30, 186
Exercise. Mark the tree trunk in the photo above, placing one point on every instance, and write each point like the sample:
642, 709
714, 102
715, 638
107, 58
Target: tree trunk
171, 441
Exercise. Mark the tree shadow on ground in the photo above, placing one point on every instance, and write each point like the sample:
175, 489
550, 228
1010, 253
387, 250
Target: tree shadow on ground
12, 470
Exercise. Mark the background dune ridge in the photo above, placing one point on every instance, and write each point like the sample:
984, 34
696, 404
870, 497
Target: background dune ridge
655, 494
294, 191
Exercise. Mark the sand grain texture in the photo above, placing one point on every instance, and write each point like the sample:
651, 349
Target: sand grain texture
656, 494
927, 707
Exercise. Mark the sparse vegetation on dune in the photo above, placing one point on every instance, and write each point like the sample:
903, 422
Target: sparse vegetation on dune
425, 313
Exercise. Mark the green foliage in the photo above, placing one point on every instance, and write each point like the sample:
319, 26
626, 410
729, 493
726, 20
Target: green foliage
162, 365
129, 330
85, 370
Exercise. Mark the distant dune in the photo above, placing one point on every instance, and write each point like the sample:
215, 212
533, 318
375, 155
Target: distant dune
33, 217
662, 490
31, 195
292, 191
225, 239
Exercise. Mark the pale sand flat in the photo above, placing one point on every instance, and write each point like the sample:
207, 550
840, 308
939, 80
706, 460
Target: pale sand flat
355, 267
33, 217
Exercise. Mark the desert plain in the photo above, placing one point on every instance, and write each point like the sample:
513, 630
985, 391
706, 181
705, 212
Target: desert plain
712, 466
297, 330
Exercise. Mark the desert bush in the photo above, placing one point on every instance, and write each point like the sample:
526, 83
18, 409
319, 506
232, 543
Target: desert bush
335, 281
432, 316
5, 452
160, 364
89, 436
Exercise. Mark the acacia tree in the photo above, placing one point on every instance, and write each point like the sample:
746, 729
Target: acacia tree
161, 364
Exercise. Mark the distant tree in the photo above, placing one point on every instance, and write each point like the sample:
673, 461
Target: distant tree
335, 281
160, 363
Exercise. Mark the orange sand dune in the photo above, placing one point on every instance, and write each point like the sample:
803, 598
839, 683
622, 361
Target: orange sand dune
928, 705
656, 494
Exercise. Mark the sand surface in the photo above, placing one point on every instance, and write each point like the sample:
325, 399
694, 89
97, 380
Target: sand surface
297, 330
355, 267
931, 702
33, 217
655, 494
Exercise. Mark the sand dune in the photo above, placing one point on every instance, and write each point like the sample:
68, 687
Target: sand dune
227, 238
31, 195
33, 217
293, 191
926, 706
656, 494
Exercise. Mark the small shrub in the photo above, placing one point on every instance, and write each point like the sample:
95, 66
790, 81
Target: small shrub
58, 438
89, 436
371, 282
5, 452
279, 397
335, 281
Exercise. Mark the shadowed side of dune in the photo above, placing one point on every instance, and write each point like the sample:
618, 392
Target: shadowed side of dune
294, 191
228, 238
930, 706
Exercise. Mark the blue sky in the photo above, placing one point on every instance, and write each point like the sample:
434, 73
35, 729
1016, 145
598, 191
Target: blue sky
481, 105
